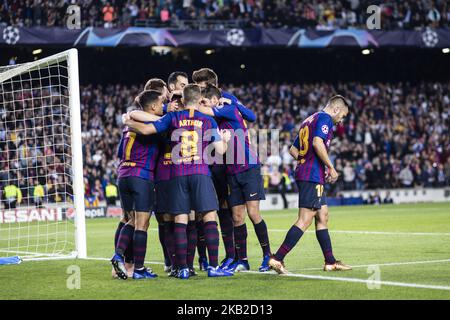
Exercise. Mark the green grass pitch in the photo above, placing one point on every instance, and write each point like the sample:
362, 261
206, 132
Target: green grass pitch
409, 243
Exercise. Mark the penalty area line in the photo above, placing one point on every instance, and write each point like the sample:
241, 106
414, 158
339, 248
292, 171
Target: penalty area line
357, 280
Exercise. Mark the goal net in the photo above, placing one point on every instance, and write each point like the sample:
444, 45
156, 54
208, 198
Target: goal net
41, 169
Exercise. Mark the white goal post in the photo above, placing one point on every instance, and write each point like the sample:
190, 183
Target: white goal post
42, 210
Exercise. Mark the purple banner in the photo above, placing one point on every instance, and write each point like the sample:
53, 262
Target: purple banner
300, 38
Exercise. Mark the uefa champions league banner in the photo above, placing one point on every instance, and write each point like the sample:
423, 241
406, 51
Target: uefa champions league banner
299, 38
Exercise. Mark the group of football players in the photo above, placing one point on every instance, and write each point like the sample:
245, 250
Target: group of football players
185, 155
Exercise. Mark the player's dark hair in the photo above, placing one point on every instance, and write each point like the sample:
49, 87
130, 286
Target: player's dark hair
211, 91
155, 84
205, 75
191, 94
146, 98
338, 99
173, 77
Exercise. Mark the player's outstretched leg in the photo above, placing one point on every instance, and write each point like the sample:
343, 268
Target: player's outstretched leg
323, 236
180, 236
212, 243
121, 224
261, 233
169, 238
240, 238
192, 244
201, 246
294, 234
123, 241
227, 230
140, 247
162, 241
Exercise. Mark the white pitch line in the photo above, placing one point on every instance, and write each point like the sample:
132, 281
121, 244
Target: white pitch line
392, 233
384, 264
356, 280
371, 282
108, 259
376, 232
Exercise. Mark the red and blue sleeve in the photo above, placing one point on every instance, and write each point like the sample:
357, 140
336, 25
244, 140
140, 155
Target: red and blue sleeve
163, 124
323, 126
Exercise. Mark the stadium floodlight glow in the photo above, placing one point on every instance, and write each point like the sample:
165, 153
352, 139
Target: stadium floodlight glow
446, 50
365, 52
37, 51
163, 50
209, 51
242, 66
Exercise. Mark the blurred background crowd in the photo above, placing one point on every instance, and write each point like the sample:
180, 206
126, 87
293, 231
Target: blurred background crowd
206, 14
396, 135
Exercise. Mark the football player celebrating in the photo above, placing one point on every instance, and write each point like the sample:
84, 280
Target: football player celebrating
244, 182
310, 149
138, 156
191, 185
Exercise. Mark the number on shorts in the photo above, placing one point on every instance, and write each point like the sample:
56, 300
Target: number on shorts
319, 189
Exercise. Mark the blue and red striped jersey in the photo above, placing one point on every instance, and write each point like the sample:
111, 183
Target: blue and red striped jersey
138, 155
164, 161
309, 166
190, 132
241, 157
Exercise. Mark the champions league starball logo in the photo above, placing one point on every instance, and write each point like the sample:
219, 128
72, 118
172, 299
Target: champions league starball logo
430, 38
325, 129
11, 35
236, 37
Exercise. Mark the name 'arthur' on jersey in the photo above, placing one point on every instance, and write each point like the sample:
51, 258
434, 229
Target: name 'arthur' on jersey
309, 166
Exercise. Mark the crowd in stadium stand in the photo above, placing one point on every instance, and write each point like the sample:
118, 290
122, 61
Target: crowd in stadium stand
34, 145
396, 135
320, 14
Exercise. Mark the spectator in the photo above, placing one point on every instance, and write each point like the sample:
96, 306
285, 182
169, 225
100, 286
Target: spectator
38, 194
165, 15
108, 15
387, 199
406, 177
111, 194
349, 176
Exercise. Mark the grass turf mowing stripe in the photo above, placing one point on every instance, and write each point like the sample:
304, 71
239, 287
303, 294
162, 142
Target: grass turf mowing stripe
357, 280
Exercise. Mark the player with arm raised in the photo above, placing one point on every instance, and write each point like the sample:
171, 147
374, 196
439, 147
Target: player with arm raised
138, 157
191, 185
310, 149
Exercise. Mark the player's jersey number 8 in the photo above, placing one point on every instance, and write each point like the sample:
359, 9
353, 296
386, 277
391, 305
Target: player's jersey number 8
189, 140
304, 141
